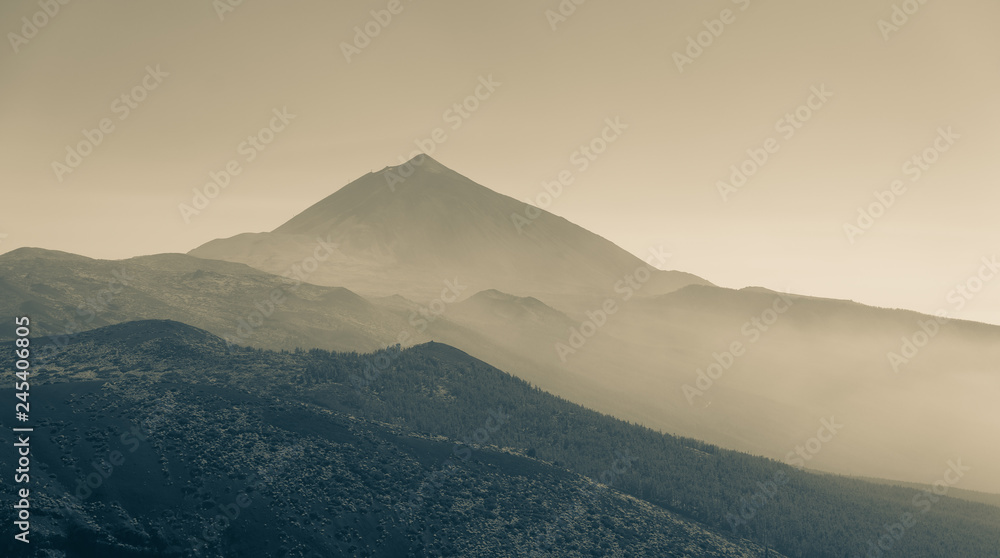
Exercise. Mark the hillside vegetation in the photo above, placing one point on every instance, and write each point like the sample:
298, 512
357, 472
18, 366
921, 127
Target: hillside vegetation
443, 396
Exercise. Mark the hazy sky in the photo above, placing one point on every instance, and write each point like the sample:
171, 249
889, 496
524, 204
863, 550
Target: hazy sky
211, 81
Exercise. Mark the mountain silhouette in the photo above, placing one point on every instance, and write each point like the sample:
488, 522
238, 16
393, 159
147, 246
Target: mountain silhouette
407, 229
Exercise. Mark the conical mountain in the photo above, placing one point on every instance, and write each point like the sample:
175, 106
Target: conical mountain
410, 228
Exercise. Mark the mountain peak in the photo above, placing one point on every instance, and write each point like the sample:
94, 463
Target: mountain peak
421, 162
407, 228
419, 192
423, 175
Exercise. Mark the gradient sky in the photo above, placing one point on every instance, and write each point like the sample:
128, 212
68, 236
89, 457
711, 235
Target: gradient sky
656, 185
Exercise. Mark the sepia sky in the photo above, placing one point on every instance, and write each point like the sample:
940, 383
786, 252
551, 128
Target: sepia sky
197, 84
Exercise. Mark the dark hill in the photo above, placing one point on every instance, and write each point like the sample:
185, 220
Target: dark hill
221, 457
401, 401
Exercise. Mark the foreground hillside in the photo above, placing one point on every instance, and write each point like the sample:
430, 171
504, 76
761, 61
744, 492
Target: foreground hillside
261, 403
151, 440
